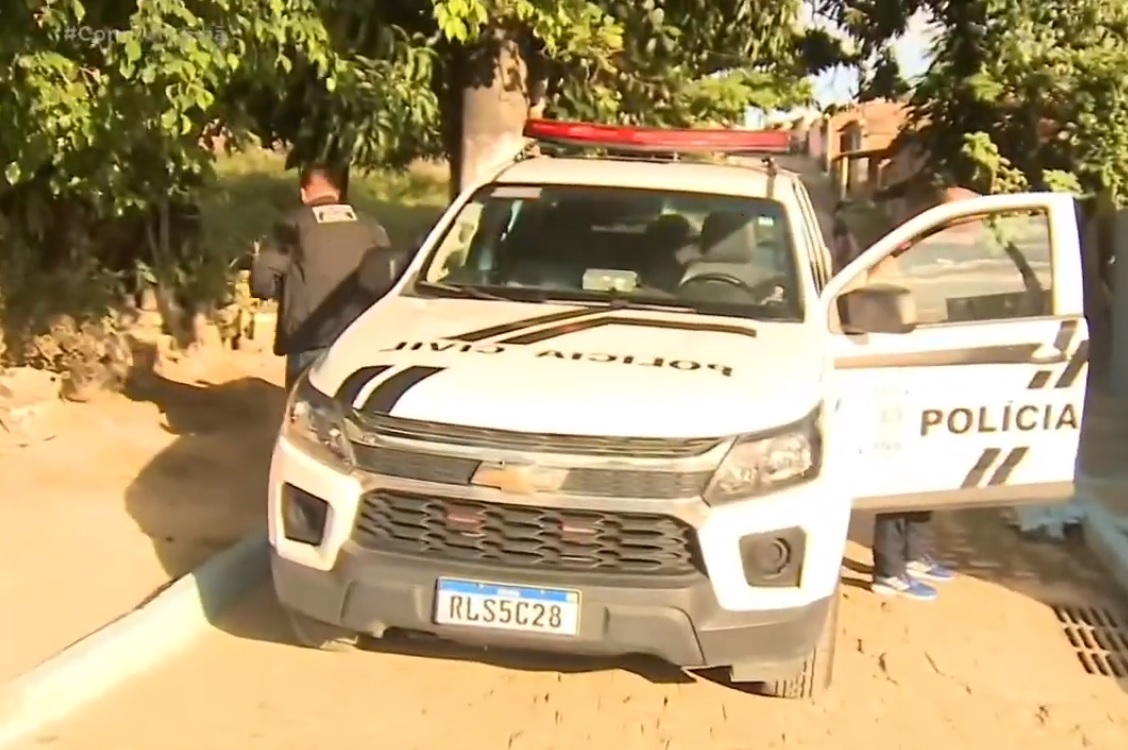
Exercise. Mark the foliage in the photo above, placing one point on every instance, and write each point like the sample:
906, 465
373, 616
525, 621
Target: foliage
109, 108
104, 143
655, 61
1019, 95
104, 153
687, 62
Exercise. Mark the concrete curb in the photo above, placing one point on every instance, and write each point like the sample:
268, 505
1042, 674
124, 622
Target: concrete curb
132, 644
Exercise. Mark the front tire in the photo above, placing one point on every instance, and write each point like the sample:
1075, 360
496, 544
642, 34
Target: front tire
814, 677
322, 636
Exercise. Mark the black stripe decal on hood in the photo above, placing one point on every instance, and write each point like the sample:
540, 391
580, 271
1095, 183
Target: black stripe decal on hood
352, 385
388, 393
520, 325
536, 337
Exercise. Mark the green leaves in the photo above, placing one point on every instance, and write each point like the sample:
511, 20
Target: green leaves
1018, 96
687, 62
1043, 83
106, 115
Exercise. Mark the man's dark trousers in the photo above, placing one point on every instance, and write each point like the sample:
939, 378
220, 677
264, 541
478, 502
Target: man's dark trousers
297, 363
900, 538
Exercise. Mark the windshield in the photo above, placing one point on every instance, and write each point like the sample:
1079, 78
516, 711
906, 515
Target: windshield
715, 254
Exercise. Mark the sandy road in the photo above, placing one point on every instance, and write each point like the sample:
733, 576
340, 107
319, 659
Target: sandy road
987, 666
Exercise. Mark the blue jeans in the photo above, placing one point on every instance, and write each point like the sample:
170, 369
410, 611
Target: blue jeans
297, 363
900, 538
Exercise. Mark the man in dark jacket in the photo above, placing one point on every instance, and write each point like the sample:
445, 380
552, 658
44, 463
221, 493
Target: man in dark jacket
325, 265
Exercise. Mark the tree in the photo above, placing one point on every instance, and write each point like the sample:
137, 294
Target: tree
104, 141
1018, 96
466, 73
691, 62
1029, 96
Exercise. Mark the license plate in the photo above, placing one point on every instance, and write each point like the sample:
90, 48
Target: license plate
505, 607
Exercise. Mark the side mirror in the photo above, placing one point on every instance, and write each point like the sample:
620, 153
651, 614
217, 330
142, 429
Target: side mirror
878, 308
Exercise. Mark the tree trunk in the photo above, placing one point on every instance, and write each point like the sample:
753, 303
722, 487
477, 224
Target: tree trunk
495, 103
452, 118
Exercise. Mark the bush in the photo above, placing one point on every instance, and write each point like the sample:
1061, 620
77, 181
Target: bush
66, 321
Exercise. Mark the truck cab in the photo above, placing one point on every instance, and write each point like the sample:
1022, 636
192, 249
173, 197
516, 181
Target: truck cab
621, 403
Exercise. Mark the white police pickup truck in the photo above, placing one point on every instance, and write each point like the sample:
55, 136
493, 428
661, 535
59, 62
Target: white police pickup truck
620, 404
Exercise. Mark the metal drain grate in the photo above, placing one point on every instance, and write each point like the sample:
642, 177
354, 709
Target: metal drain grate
1097, 636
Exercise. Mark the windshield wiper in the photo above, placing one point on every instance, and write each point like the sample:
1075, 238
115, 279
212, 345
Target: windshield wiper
461, 291
620, 301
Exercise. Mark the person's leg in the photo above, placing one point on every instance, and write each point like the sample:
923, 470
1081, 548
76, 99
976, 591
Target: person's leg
889, 574
919, 541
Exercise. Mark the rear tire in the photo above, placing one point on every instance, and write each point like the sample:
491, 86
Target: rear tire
322, 636
814, 677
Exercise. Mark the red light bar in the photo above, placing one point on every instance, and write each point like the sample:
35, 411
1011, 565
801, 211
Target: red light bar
683, 140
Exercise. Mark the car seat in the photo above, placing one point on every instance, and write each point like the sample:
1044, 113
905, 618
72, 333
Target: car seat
664, 237
729, 246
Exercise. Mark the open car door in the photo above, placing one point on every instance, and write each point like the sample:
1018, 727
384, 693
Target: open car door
961, 355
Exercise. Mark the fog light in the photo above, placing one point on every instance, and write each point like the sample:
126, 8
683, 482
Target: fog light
770, 557
773, 559
303, 516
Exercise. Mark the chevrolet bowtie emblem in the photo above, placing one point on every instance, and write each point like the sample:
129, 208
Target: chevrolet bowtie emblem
518, 479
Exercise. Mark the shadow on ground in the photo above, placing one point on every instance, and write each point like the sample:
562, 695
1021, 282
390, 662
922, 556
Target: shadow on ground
1064, 575
208, 488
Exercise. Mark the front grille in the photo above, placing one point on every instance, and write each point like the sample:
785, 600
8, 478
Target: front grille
429, 467
524, 536
531, 442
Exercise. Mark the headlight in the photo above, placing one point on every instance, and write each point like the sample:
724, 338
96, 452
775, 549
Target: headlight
760, 463
315, 424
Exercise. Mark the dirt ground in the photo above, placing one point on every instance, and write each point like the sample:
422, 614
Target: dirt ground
997, 663
134, 490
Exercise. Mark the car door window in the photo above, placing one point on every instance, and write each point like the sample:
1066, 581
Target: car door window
980, 268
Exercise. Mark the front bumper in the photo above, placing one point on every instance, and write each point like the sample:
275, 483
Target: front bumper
371, 592
712, 616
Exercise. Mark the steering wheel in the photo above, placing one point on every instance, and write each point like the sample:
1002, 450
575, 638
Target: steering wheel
697, 287
760, 292
716, 278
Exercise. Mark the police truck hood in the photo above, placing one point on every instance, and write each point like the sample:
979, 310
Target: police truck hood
571, 369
